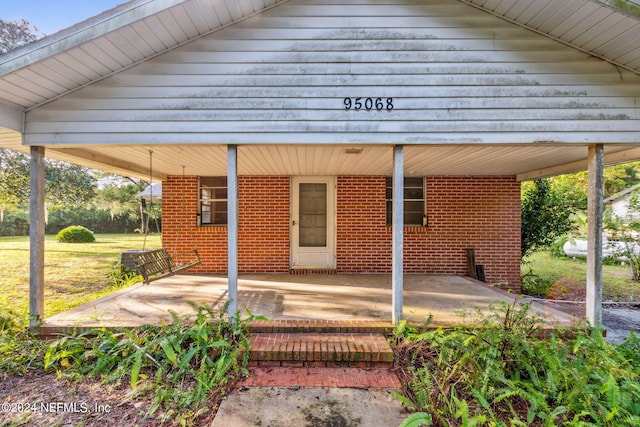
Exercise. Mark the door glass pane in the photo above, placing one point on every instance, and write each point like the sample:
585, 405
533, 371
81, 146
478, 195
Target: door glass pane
313, 215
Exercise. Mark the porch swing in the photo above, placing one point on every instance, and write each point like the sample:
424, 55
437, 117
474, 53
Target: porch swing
156, 264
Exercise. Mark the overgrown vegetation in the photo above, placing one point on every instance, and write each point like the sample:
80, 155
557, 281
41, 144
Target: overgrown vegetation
75, 234
20, 351
187, 366
501, 373
537, 285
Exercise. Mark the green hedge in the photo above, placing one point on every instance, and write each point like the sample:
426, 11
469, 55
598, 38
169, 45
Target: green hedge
75, 234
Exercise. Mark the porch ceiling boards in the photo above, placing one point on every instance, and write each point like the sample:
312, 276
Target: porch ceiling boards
525, 162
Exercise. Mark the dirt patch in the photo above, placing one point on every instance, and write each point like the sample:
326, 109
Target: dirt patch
42, 399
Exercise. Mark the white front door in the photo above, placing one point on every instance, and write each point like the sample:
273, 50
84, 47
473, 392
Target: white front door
313, 222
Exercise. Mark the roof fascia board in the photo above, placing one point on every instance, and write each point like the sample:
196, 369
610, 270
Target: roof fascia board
11, 117
618, 157
80, 33
564, 42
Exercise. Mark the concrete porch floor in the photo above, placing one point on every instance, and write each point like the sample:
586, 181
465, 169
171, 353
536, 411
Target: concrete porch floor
285, 296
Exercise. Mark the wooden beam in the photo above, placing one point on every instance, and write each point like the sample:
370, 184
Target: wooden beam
594, 239
36, 237
232, 229
397, 272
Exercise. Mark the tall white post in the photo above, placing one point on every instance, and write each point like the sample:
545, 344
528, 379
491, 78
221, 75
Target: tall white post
594, 239
36, 237
398, 234
232, 228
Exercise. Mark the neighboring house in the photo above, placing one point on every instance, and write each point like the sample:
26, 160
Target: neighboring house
278, 128
620, 202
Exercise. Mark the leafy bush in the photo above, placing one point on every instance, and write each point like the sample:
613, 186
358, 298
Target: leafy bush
556, 249
501, 373
75, 234
545, 215
120, 277
536, 285
183, 362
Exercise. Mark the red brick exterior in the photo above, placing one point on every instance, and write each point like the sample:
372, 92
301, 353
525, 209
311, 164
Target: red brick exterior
478, 212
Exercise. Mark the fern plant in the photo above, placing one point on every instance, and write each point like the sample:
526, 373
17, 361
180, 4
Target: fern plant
183, 362
502, 372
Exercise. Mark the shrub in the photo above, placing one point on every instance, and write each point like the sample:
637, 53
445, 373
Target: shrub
536, 285
75, 234
500, 372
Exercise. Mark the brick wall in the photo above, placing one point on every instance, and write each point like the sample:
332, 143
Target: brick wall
263, 232
478, 212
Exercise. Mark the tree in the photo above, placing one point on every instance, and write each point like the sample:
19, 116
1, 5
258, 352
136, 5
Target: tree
66, 184
545, 216
14, 34
14, 179
119, 196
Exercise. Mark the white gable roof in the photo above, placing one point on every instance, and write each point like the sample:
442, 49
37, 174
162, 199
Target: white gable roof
183, 75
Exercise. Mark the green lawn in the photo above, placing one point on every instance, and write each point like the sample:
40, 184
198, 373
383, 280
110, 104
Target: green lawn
74, 272
617, 283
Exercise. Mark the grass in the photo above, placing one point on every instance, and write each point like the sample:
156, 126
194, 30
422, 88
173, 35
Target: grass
617, 283
75, 273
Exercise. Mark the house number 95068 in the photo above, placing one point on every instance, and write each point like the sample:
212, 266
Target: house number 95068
368, 104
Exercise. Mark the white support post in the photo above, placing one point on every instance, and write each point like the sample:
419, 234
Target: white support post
232, 228
398, 234
594, 238
36, 237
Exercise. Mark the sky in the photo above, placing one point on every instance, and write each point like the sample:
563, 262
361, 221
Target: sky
50, 16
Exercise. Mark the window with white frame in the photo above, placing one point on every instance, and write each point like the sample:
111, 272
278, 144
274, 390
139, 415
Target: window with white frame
414, 201
212, 200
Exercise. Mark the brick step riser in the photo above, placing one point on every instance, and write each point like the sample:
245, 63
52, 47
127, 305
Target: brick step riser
320, 326
321, 377
315, 364
320, 350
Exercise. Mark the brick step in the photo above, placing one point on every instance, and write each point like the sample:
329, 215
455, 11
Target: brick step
330, 326
319, 350
321, 377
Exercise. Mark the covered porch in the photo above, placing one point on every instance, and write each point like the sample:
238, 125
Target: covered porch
365, 89
441, 299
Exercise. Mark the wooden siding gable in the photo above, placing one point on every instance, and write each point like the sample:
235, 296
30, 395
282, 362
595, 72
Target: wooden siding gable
433, 72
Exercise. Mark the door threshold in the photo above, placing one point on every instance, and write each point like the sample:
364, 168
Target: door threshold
303, 270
